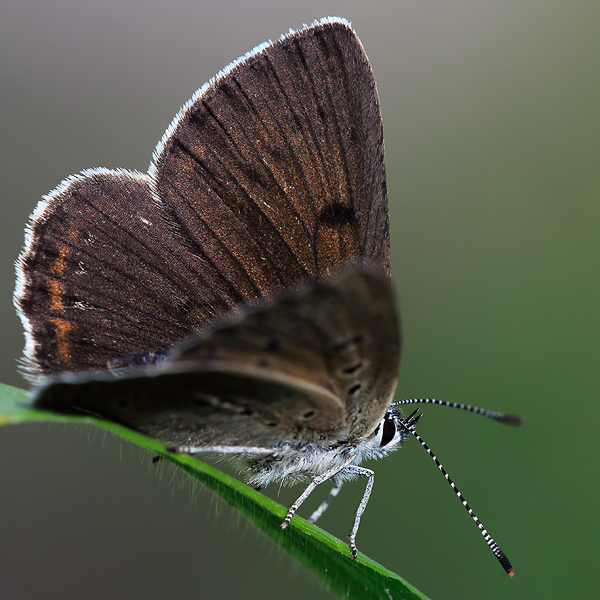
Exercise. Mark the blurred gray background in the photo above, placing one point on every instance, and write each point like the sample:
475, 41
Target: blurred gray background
492, 124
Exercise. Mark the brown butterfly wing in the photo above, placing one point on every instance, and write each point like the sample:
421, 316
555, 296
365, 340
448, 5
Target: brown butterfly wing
287, 145
94, 283
319, 365
272, 173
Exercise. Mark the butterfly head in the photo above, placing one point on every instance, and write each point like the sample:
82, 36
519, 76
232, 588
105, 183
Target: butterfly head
388, 436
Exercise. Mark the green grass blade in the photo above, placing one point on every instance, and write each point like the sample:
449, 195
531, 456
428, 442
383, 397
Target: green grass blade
327, 557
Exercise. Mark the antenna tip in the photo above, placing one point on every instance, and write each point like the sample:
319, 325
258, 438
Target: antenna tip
511, 419
504, 562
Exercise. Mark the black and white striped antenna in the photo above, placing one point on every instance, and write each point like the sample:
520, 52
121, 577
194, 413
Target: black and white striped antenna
490, 414
409, 425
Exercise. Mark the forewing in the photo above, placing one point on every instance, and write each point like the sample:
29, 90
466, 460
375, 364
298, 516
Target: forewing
275, 169
319, 365
340, 335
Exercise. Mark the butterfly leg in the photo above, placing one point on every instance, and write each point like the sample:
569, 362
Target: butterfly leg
222, 450
361, 471
335, 490
306, 493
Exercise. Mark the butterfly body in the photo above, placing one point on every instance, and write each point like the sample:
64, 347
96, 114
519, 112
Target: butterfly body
297, 463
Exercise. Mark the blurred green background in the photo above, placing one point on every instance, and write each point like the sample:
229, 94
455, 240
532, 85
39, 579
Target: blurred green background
492, 125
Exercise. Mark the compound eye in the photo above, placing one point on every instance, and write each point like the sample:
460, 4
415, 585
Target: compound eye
389, 431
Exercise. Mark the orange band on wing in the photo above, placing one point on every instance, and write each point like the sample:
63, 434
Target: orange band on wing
62, 340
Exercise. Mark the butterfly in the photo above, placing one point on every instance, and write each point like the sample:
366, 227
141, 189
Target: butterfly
235, 299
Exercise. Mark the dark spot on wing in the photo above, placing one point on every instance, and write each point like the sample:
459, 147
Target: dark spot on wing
336, 215
272, 345
354, 388
352, 368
